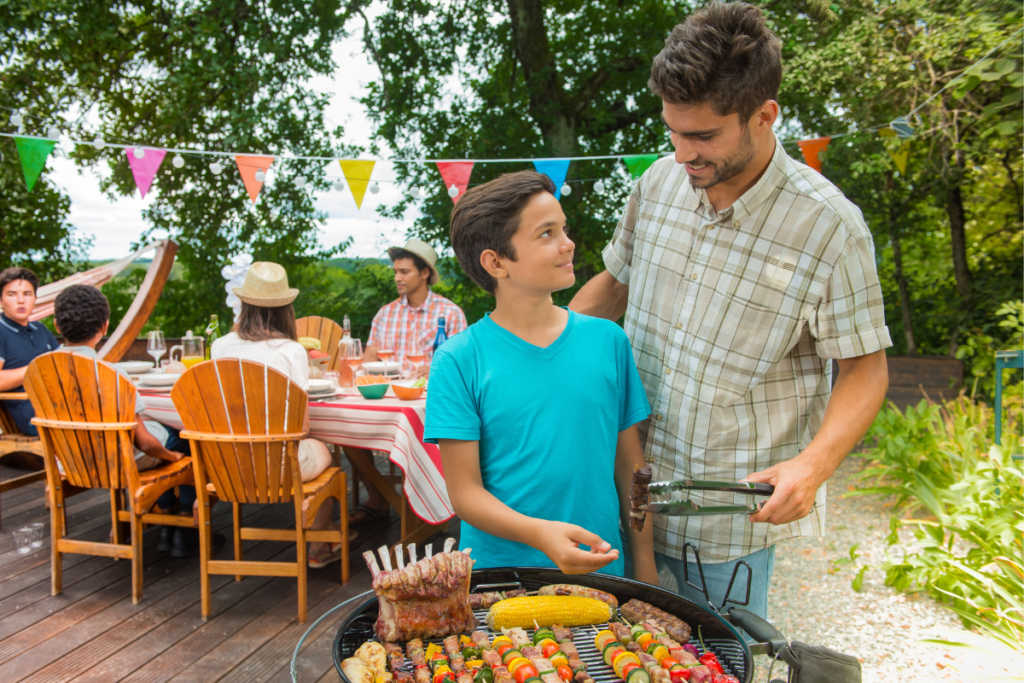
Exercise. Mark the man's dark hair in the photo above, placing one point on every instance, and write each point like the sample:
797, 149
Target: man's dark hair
397, 254
723, 55
80, 312
259, 323
9, 275
487, 217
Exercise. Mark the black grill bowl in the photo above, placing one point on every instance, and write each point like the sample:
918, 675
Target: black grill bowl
719, 635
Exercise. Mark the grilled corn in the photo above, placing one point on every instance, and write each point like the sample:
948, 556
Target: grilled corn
545, 610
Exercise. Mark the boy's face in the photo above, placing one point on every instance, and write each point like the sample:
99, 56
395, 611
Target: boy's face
543, 249
17, 300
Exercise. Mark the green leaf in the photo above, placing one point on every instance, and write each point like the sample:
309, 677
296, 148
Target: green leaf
858, 581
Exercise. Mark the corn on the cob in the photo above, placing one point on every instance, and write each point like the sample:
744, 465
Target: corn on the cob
545, 610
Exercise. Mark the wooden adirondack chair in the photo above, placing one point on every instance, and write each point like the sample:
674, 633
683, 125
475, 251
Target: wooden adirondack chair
244, 421
326, 330
13, 441
85, 413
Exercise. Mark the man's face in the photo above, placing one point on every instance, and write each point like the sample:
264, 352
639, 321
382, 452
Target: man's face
17, 300
407, 278
713, 148
543, 248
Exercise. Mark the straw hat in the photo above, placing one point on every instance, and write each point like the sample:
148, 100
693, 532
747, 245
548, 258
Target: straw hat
425, 252
266, 285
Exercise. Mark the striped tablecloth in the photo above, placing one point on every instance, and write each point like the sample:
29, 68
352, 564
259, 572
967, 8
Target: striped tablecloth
385, 425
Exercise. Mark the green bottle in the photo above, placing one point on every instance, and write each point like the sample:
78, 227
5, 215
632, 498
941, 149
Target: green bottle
212, 334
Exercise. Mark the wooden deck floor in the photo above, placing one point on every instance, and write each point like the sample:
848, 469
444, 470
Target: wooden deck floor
92, 632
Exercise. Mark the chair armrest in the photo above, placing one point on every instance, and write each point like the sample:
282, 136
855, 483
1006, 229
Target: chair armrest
242, 438
86, 426
13, 396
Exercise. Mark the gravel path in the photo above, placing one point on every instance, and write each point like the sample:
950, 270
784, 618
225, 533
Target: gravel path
811, 600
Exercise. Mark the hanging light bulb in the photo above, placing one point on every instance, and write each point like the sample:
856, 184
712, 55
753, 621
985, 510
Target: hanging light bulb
216, 168
177, 161
98, 143
453, 191
375, 188
138, 152
260, 175
599, 187
338, 185
566, 190
300, 181
414, 193
15, 119
53, 133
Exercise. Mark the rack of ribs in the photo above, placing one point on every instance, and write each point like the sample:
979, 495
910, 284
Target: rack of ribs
426, 598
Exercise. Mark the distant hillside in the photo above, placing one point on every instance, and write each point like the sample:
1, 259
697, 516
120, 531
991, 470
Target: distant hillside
347, 264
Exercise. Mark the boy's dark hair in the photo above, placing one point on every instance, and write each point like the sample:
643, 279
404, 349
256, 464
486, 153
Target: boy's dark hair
259, 323
9, 275
79, 312
487, 217
420, 264
724, 55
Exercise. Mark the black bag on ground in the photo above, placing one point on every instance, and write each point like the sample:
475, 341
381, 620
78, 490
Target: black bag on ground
816, 664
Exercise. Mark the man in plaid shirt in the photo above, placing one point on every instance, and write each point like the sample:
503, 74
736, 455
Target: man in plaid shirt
409, 324
742, 274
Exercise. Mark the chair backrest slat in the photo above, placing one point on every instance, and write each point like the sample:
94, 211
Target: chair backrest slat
242, 398
69, 387
327, 331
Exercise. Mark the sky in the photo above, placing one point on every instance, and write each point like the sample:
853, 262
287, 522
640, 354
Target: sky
114, 225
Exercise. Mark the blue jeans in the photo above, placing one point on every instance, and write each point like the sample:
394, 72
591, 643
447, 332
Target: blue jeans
188, 493
716, 578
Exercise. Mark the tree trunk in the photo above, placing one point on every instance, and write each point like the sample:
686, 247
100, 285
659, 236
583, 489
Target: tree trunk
958, 236
901, 280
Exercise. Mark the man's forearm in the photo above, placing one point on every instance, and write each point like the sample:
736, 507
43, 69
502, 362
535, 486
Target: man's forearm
12, 379
602, 297
370, 354
629, 455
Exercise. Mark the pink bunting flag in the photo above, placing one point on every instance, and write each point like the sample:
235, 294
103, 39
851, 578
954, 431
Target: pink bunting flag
144, 169
456, 173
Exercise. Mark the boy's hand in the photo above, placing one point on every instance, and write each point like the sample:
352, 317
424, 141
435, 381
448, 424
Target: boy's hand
561, 542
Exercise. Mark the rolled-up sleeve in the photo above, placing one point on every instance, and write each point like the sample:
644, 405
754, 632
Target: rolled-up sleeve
849, 320
618, 254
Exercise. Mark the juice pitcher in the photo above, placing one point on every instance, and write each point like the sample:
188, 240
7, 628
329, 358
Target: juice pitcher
190, 350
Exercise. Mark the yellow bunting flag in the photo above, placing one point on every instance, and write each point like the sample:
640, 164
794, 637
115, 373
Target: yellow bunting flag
901, 155
357, 173
248, 166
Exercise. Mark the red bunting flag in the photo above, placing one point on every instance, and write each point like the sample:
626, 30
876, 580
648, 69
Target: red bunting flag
456, 173
247, 167
811, 150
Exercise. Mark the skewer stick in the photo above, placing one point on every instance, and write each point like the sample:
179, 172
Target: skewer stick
412, 553
429, 550
536, 626
385, 557
449, 543
399, 557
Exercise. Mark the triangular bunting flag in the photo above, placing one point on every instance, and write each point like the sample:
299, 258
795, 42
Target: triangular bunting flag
811, 150
357, 173
456, 173
556, 169
247, 167
901, 155
638, 163
144, 169
33, 153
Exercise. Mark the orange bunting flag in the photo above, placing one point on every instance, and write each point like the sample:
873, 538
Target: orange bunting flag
248, 166
811, 150
357, 173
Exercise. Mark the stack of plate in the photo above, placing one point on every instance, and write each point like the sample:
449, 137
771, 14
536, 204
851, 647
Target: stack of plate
389, 369
321, 388
160, 383
136, 367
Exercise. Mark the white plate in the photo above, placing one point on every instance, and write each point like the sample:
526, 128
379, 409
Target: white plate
317, 386
156, 390
135, 367
329, 394
165, 379
381, 368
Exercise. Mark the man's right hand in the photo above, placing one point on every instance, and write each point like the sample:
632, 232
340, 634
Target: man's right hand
561, 541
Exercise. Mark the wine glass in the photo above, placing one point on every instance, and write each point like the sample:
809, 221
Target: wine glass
387, 348
415, 354
156, 348
353, 356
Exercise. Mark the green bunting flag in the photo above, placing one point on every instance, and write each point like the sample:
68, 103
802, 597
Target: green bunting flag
33, 153
638, 163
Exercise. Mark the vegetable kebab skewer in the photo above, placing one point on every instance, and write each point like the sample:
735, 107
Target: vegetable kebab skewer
644, 653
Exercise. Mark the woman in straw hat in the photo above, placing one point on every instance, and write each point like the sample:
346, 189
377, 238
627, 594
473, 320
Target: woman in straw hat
265, 333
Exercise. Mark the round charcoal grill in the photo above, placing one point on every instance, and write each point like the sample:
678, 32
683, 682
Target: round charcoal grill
719, 636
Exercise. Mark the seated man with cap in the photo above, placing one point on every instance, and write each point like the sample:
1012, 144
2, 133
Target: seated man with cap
410, 322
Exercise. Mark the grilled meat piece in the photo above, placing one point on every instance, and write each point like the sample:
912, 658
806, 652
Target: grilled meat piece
457, 663
491, 658
403, 677
425, 599
412, 646
580, 591
481, 640
700, 674
637, 611
518, 636
622, 632
569, 649
502, 675
582, 677
531, 652
631, 646
480, 601
464, 677
639, 495
659, 675
562, 633
423, 674
451, 645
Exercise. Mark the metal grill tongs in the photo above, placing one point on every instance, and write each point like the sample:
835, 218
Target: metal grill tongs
681, 508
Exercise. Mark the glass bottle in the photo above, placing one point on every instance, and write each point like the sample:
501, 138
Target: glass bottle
442, 334
212, 334
346, 372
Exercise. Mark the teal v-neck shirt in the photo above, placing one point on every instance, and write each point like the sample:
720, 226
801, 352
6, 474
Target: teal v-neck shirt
547, 420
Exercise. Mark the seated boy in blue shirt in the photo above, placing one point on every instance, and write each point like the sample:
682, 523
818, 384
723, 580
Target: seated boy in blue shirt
535, 406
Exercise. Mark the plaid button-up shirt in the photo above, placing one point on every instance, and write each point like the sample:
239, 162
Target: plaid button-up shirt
400, 326
734, 318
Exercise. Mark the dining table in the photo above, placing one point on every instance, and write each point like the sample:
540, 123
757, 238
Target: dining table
362, 427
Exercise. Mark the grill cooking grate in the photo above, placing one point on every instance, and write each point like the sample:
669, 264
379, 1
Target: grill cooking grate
729, 652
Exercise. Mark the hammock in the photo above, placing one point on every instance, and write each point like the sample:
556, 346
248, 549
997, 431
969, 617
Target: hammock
140, 310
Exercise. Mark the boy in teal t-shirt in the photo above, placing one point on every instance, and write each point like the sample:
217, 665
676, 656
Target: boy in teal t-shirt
535, 406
